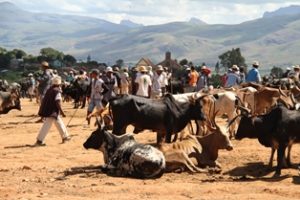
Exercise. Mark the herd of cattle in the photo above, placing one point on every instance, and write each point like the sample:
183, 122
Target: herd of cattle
252, 111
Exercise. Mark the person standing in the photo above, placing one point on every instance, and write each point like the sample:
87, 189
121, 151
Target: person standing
158, 82
193, 78
242, 74
287, 73
50, 109
202, 82
98, 88
233, 78
295, 75
144, 83
32, 85
116, 73
44, 80
124, 81
110, 80
253, 74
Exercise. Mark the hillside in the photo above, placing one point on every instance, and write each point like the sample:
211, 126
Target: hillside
273, 39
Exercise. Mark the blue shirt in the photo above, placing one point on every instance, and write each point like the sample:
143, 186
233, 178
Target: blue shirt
253, 76
232, 79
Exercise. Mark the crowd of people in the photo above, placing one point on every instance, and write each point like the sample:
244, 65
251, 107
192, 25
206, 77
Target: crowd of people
98, 87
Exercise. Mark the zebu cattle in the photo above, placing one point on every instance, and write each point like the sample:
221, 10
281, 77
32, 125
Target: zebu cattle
123, 156
225, 102
278, 129
164, 116
193, 152
9, 101
265, 98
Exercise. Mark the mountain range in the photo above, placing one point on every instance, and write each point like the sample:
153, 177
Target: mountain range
273, 39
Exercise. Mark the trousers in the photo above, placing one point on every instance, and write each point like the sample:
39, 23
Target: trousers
47, 125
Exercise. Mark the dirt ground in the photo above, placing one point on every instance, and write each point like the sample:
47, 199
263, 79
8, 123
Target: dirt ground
64, 171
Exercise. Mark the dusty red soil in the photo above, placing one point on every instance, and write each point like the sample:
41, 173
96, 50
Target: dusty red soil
62, 171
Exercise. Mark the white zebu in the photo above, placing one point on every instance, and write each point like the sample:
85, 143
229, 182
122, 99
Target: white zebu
224, 102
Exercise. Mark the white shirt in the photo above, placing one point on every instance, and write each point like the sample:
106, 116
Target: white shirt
58, 97
96, 89
144, 82
124, 78
158, 82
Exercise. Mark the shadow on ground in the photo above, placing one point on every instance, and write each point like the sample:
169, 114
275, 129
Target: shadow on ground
255, 171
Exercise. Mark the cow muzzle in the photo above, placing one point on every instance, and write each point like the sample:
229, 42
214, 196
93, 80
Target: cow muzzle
229, 148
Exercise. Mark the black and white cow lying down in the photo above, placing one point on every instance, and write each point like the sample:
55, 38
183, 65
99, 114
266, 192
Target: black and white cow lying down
123, 156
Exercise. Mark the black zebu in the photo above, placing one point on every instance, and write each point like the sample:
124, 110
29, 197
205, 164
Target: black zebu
123, 156
164, 116
278, 129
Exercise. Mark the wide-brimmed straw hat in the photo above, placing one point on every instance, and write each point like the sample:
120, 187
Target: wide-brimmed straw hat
45, 64
255, 63
235, 67
56, 80
159, 68
143, 69
108, 69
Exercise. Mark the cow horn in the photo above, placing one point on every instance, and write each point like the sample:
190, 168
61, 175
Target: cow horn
281, 92
232, 121
243, 109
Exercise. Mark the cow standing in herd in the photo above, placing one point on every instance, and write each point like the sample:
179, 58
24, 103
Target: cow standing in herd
164, 116
278, 129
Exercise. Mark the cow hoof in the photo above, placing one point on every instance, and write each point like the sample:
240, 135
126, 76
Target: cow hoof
276, 175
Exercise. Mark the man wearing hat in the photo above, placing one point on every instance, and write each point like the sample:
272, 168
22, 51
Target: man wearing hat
110, 80
295, 75
32, 86
98, 89
44, 80
124, 81
287, 72
144, 83
193, 78
158, 82
203, 78
233, 78
51, 110
253, 74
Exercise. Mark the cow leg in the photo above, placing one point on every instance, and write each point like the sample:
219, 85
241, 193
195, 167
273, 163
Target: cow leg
168, 137
288, 159
175, 137
271, 158
159, 138
280, 157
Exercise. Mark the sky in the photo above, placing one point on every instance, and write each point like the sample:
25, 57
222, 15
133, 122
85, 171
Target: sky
151, 12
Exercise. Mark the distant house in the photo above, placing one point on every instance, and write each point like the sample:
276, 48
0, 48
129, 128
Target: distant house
16, 63
144, 62
169, 63
57, 63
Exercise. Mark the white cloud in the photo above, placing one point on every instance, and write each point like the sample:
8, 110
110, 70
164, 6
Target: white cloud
157, 11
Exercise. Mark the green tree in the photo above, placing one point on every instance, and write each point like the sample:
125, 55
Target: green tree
277, 72
49, 54
183, 62
120, 62
232, 57
217, 67
19, 54
69, 60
